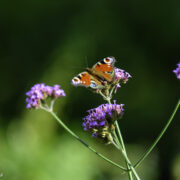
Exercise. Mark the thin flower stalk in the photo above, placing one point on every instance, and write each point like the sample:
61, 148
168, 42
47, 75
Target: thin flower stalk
84, 143
120, 139
123, 149
159, 137
128, 161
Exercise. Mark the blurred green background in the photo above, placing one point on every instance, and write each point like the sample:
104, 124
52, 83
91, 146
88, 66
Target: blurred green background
52, 41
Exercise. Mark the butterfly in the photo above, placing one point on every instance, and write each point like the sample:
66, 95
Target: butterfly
97, 77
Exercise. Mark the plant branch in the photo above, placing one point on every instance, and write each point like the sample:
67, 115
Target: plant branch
127, 160
159, 137
123, 150
81, 141
120, 147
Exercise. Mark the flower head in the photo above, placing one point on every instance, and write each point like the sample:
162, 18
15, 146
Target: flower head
177, 71
121, 76
39, 92
100, 120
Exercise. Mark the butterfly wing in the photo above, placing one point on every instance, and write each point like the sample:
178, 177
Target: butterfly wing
87, 80
104, 69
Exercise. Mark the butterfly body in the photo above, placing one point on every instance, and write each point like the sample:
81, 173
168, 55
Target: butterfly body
97, 77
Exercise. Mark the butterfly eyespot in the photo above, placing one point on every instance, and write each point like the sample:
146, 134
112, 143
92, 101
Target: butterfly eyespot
108, 60
75, 81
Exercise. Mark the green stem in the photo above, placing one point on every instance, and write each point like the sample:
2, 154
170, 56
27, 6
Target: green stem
127, 160
130, 165
123, 147
129, 172
159, 137
120, 147
116, 138
123, 150
90, 148
110, 94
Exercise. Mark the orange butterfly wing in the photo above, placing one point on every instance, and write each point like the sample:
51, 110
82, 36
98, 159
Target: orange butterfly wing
104, 69
87, 80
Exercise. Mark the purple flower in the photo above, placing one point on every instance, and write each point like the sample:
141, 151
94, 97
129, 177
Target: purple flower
100, 120
177, 71
39, 92
121, 76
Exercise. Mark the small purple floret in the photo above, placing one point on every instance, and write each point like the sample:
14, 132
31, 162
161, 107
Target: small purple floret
102, 117
177, 71
40, 92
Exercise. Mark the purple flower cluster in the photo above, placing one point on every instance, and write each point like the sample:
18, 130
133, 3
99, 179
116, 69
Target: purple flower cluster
121, 75
177, 71
40, 92
100, 120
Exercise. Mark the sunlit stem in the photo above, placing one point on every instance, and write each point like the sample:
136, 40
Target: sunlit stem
127, 160
45, 108
123, 147
111, 92
120, 146
123, 150
81, 141
159, 137
116, 139
103, 96
52, 104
